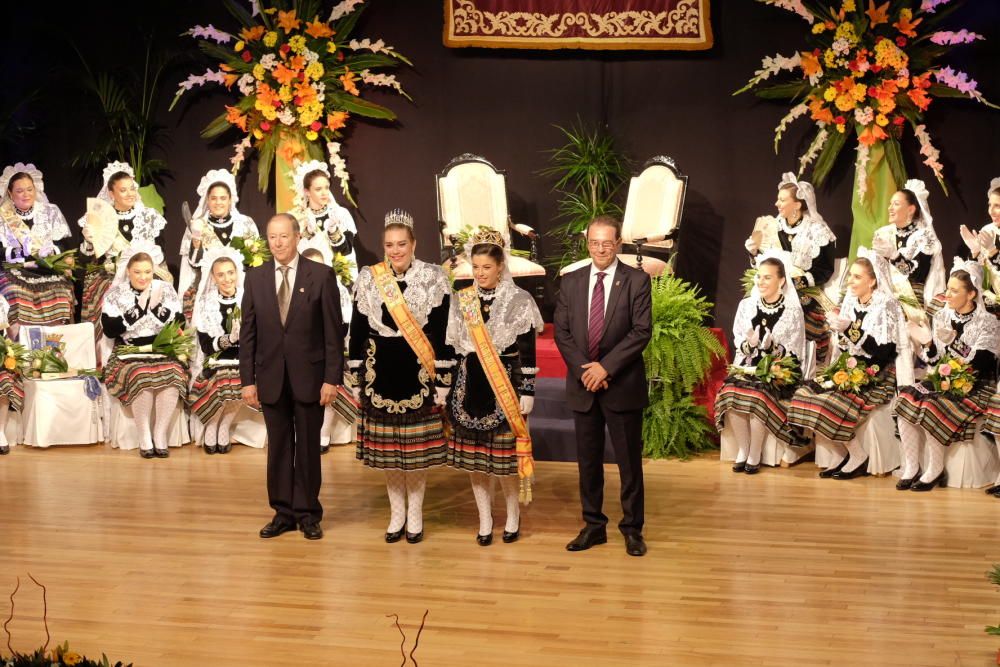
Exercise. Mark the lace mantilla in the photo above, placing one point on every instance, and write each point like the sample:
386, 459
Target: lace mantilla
881, 323
789, 330
808, 238
981, 331
147, 223
512, 313
36, 234
426, 288
207, 316
122, 298
243, 227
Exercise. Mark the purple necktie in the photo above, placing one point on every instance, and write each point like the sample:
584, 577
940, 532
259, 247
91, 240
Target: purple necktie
596, 326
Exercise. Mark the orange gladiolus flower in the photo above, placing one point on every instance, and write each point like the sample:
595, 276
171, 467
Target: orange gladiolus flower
290, 150
810, 64
820, 112
287, 21
284, 75
234, 117
337, 120
348, 78
318, 29
906, 25
877, 15
920, 98
872, 134
225, 68
230, 79
252, 34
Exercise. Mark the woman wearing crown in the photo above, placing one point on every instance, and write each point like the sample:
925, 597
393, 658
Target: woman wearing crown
32, 228
399, 367
216, 223
492, 328
114, 220
216, 392
136, 308
11, 389
802, 233
933, 416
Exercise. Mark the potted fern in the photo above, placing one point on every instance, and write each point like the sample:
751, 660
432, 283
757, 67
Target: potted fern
678, 358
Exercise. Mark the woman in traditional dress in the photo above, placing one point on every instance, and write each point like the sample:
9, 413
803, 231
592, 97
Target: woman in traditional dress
768, 322
11, 389
135, 310
803, 233
492, 328
326, 226
984, 246
216, 393
912, 247
215, 223
991, 427
399, 368
119, 197
965, 332
31, 228
871, 329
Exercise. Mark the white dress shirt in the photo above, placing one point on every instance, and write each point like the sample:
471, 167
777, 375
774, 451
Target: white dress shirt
609, 279
292, 268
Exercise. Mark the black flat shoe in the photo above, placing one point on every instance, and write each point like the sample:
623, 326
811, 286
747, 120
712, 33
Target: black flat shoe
484, 540
511, 536
860, 471
751, 470
830, 472
740, 467
996, 492
905, 484
588, 537
276, 527
992, 490
394, 536
312, 531
940, 480
4, 450
210, 449
413, 538
324, 449
161, 453
224, 449
147, 453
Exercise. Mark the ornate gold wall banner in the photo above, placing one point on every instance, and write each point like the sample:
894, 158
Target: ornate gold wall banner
578, 24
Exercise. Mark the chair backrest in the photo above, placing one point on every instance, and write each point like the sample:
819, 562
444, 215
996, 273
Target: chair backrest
79, 340
471, 192
655, 201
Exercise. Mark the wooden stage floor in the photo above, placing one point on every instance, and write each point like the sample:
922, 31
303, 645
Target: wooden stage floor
158, 562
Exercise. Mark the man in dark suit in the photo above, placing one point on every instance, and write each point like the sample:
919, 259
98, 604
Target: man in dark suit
291, 361
603, 322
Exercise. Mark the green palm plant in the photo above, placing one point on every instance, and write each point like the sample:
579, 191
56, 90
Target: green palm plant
589, 172
678, 358
994, 577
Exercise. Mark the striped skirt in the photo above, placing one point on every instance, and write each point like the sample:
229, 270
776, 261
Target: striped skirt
490, 452
408, 442
991, 424
95, 285
126, 378
188, 299
752, 397
212, 389
817, 330
37, 300
837, 414
948, 420
12, 389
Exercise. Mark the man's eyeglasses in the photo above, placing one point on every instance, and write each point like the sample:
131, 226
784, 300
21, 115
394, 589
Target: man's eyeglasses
601, 245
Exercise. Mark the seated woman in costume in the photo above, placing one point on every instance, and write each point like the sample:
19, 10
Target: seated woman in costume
11, 389
984, 246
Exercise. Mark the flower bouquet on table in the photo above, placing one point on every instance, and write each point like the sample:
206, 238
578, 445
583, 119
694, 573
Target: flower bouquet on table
254, 250
952, 377
47, 362
172, 341
14, 355
848, 373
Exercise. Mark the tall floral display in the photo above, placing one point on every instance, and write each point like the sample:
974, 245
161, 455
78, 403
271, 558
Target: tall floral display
870, 71
300, 81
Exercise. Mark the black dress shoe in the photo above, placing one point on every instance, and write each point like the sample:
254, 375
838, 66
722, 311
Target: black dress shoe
276, 527
324, 449
990, 490
905, 484
394, 536
751, 470
210, 449
485, 540
224, 449
740, 467
635, 545
860, 471
830, 472
588, 537
511, 535
413, 538
147, 453
161, 453
4, 450
940, 480
312, 531
996, 491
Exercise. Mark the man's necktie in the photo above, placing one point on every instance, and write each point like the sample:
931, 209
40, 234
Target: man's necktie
596, 326
284, 294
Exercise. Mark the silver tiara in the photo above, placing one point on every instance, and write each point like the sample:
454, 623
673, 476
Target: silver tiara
398, 216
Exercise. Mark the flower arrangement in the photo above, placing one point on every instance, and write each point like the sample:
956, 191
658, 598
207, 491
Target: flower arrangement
14, 355
254, 250
342, 268
848, 373
47, 359
300, 80
870, 70
773, 370
952, 376
60, 656
172, 341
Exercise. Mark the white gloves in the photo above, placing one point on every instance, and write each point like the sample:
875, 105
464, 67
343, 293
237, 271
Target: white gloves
945, 334
752, 337
440, 396
987, 243
971, 240
766, 343
885, 247
919, 334
527, 403
838, 323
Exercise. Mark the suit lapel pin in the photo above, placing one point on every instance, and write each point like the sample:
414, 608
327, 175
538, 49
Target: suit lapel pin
302, 289
618, 283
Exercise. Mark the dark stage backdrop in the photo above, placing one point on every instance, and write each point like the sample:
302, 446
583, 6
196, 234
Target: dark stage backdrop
503, 105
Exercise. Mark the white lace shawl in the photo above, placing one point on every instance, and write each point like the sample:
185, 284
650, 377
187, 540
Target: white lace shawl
808, 239
982, 332
207, 317
48, 225
121, 298
512, 313
426, 287
147, 223
243, 226
883, 322
922, 241
789, 331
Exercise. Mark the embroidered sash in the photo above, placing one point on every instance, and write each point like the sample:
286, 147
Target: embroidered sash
394, 302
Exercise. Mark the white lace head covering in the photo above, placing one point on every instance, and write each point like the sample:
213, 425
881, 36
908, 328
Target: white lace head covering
994, 185
975, 271
806, 193
137, 246
888, 323
109, 171
919, 188
22, 168
299, 181
788, 290
207, 284
936, 279
207, 181
489, 236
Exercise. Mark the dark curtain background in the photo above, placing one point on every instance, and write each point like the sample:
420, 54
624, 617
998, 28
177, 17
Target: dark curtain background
504, 105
